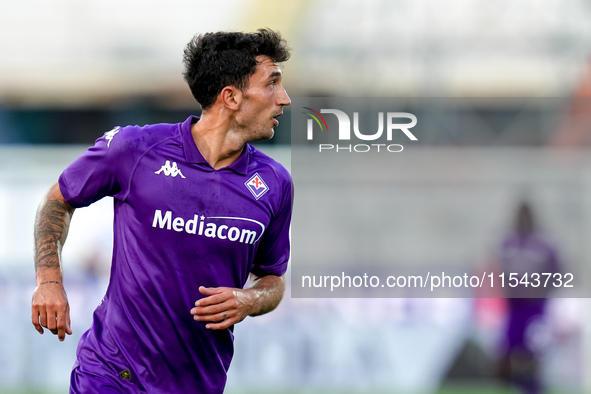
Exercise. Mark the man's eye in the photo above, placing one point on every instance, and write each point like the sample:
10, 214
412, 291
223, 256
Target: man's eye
272, 83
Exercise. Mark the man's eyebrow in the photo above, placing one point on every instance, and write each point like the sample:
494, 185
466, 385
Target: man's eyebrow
275, 74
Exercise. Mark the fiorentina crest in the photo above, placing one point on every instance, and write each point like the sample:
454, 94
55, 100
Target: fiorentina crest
257, 186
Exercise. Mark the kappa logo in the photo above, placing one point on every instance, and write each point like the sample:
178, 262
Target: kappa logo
109, 135
170, 170
257, 186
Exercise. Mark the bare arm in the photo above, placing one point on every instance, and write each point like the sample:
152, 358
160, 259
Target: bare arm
50, 308
224, 306
268, 292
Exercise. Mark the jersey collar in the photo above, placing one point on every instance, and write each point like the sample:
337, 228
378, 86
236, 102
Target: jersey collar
193, 155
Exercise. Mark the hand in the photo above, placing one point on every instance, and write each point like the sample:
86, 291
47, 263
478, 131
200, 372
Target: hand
50, 309
223, 306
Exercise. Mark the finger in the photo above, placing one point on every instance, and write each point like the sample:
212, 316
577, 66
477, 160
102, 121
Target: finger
212, 309
61, 326
43, 317
220, 326
35, 321
226, 305
68, 322
216, 318
211, 291
52, 321
217, 298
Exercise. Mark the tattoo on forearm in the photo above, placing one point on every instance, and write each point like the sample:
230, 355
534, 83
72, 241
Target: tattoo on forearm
49, 281
51, 229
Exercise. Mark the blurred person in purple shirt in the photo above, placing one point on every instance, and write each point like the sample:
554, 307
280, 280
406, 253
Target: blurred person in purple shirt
525, 253
198, 212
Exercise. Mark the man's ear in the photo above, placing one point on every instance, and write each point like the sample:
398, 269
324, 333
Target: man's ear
231, 97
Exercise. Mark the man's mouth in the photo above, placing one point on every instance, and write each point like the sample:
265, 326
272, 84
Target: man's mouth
275, 118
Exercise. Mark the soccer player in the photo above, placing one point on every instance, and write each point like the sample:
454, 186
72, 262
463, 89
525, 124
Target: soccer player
197, 211
525, 252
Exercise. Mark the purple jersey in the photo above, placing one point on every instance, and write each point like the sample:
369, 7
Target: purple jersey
526, 254
179, 224
530, 255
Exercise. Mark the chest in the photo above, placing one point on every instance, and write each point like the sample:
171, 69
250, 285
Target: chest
168, 193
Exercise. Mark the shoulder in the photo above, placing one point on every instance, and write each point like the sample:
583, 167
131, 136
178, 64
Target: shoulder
263, 162
139, 138
273, 174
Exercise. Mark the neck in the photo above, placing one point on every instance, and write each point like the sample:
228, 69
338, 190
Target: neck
216, 140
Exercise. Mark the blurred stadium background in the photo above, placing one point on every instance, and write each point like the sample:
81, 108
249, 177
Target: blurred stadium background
70, 70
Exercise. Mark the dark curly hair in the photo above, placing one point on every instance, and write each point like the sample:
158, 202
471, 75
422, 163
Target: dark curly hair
216, 60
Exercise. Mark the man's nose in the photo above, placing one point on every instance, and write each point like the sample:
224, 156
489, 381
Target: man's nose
284, 98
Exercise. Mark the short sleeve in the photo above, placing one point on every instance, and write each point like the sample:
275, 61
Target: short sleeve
97, 173
273, 253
